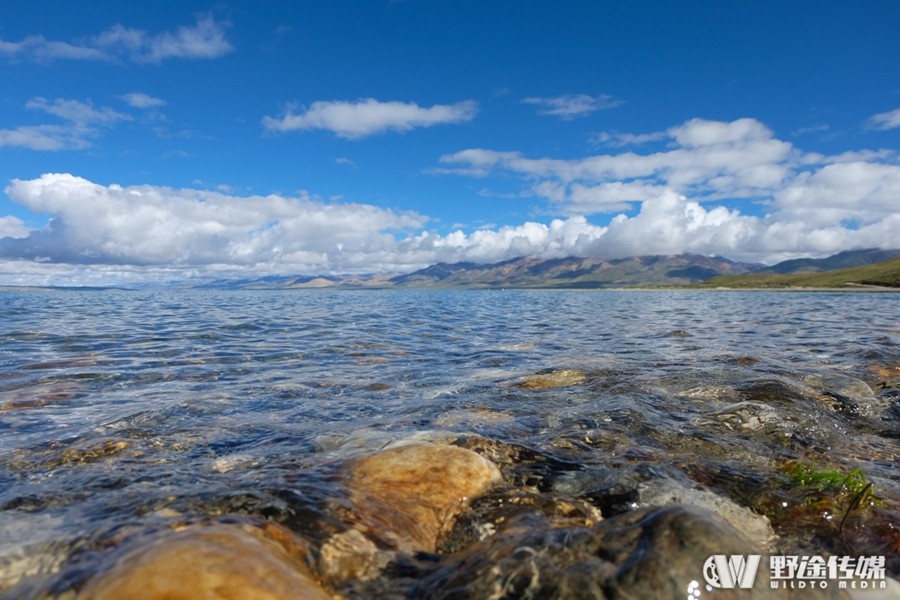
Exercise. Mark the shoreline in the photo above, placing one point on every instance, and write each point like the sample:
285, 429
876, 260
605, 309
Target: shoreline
851, 288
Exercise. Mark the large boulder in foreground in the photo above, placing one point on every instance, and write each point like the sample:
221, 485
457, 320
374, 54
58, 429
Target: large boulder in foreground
409, 495
209, 562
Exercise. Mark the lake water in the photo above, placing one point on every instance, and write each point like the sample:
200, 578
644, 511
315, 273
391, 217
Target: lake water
119, 408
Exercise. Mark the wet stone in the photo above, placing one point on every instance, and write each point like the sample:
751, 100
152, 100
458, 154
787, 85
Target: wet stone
648, 553
887, 377
350, 555
473, 418
678, 333
552, 379
497, 509
846, 395
209, 562
409, 495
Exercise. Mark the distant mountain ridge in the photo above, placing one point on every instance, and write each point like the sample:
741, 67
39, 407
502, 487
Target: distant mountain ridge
878, 275
523, 272
842, 260
573, 273
564, 273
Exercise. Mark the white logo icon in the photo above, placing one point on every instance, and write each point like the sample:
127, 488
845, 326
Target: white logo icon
729, 572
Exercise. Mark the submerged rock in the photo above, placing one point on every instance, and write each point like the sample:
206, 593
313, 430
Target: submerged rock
473, 418
648, 553
846, 395
552, 379
754, 526
409, 495
644, 485
350, 555
210, 562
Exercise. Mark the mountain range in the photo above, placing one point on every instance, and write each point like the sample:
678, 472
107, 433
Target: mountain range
569, 273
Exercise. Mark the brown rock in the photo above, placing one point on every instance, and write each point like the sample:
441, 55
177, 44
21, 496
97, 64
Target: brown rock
556, 378
350, 555
409, 495
210, 562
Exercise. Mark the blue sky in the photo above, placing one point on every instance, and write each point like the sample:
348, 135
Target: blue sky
190, 139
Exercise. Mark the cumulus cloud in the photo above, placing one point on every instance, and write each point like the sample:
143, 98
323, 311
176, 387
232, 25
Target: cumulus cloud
707, 159
146, 225
12, 227
572, 106
81, 123
667, 224
863, 192
108, 234
354, 120
562, 237
884, 121
811, 203
666, 202
204, 40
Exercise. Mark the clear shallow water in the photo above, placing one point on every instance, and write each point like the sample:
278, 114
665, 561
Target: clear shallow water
120, 408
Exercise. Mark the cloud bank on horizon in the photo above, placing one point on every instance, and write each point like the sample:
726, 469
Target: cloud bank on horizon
712, 186
817, 203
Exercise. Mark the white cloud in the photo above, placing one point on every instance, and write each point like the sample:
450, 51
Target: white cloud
617, 139
146, 225
884, 121
669, 202
139, 100
81, 122
44, 138
39, 49
813, 204
204, 40
354, 120
698, 133
666, 224
612, 196
672, 224
707, 159
571, 106
862, 191
109, 234
79, 113
12, 227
